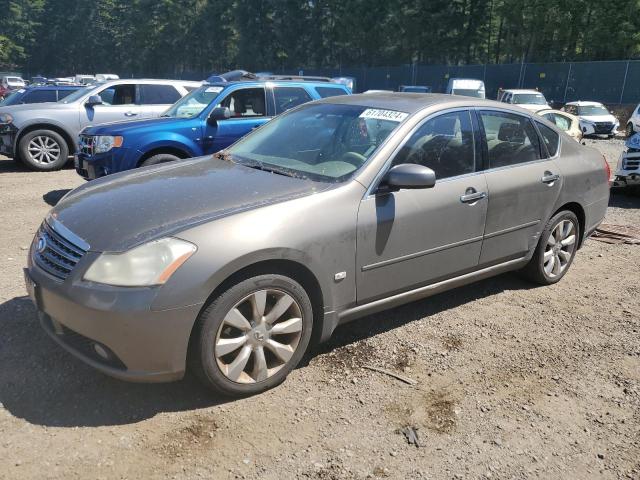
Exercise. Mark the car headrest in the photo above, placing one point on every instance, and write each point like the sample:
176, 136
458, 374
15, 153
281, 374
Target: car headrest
511, 132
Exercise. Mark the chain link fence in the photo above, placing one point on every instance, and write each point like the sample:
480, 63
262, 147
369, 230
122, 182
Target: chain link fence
611, 82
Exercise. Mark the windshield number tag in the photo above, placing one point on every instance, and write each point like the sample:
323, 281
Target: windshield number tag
378, 114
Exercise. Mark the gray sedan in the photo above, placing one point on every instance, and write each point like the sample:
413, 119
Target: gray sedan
334, 210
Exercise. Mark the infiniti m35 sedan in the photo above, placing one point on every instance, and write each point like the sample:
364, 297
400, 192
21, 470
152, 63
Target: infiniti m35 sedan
230, 265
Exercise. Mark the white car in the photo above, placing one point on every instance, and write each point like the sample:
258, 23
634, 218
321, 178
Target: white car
593, 115
12, 83
628, 169
633, 124
530, 99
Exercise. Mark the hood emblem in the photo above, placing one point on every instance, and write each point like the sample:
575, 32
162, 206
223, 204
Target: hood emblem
41, 245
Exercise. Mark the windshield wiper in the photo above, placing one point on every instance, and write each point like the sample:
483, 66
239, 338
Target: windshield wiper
260, 166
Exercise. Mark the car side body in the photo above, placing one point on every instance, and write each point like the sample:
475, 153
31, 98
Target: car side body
60, 123
356, 246
183, 136
570, 124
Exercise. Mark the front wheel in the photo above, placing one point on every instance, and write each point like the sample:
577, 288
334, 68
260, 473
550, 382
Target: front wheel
159, 158
43, 150
252, 336
555, 250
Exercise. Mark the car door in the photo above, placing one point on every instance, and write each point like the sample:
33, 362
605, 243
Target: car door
523, 185
119, 102
409, 238
249, 110
156, 98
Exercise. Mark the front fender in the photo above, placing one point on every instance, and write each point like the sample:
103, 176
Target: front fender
44, 122
176, 141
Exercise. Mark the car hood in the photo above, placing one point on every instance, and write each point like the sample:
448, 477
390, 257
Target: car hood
134, 126
119, 212
29, 108
598, 118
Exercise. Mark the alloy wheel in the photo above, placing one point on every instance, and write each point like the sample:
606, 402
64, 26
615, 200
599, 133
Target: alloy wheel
258, 336
559, 249
43, 150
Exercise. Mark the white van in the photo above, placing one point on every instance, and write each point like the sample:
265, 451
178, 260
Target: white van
469, 87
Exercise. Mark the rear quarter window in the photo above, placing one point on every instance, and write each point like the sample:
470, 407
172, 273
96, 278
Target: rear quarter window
550, 138
326, 92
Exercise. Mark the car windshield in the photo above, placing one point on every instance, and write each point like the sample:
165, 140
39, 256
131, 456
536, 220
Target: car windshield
323, 142
78, 94
467, 92
192, 104
12, 99
529, 99
593, 110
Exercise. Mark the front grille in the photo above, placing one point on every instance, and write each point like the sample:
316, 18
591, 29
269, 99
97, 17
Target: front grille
631, 163
86, 144
603, 127
55, 254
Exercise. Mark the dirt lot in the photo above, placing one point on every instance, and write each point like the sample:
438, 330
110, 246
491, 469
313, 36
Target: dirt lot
514, 381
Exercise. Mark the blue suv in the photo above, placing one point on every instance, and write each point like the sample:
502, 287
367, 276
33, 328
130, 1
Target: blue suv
39, 94
205, 121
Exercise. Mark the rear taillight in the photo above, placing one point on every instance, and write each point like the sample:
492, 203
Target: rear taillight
607, 169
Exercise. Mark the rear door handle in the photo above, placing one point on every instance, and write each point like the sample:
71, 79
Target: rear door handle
550, 177
472, 196
130, 114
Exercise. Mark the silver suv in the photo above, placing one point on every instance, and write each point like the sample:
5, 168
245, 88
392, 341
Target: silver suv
43, 135
333, 210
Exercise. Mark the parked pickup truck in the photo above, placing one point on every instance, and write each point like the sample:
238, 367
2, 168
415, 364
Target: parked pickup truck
207, 120
43, 135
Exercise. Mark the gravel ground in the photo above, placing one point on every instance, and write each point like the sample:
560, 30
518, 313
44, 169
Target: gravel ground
513, 381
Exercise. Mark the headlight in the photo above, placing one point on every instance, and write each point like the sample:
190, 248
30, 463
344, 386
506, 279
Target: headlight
150, 264
104, 143
5, 118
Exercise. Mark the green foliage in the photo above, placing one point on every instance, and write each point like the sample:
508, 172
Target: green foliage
172, 37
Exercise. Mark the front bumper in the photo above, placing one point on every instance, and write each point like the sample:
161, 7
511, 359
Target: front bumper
114, 330
99, 165
7, 139
628, 170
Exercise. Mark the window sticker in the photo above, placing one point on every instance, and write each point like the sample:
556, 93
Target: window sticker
378, 114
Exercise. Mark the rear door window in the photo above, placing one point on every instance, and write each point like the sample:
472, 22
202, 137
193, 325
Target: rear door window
158, 94
550, 138
39, 96
288, 97
510, 138
326, 92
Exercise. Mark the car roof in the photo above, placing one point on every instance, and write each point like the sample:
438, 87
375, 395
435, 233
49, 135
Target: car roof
581, 103
414, 102
54, 87
520, 90
151, 80
291, 83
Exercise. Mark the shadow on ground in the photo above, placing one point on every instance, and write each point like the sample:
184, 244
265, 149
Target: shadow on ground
621, 199
45, 385
8, 165
54, 196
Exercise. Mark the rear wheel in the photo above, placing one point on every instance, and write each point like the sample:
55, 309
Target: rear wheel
159, 158
43, 150
250, 337
555, 250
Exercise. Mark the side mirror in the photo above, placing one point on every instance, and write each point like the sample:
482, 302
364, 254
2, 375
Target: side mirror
219, 113
93, 100
409, 176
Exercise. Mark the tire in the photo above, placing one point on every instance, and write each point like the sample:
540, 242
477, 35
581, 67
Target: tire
159, 158
629, 130
43, 150
226, 349
535, 270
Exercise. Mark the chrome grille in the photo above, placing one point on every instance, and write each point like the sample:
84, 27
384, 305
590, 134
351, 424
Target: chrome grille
55, 254
86, 144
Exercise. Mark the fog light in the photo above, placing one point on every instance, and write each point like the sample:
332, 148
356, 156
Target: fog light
101, 351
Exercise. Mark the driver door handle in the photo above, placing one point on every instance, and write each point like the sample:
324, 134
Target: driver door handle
130, 114
550, 177
471, 196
